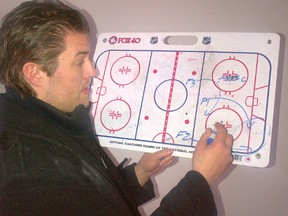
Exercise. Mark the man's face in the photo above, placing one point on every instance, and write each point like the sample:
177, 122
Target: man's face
69, 85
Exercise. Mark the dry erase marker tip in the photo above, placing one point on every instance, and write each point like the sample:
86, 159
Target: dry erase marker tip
210, 140
212, 136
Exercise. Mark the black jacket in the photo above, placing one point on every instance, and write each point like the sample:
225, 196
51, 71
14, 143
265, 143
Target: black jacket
52, 164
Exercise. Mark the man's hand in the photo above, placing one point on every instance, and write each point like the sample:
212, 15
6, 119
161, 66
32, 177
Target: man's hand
211, 160
151, 163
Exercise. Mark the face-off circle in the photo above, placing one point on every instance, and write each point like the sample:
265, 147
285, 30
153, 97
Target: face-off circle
115, 115
228, 115
125, 70
230, 75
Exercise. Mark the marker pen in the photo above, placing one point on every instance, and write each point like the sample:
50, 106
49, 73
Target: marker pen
212, 136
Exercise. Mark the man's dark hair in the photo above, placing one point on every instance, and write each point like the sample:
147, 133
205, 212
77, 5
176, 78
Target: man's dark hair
35, 32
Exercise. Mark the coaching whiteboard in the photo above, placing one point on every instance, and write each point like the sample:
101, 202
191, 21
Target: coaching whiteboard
162, 90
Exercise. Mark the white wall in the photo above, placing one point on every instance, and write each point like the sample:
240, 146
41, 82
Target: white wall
243, 190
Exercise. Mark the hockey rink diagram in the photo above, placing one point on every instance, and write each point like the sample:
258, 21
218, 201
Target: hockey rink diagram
149, 99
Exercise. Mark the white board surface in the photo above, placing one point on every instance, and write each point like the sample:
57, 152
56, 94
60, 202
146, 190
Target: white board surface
151, 94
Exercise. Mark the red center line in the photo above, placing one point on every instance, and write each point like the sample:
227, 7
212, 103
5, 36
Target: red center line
170, 97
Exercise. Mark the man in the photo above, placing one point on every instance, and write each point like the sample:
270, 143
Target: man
50, 161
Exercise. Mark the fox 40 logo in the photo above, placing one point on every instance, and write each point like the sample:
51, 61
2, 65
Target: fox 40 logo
126, 40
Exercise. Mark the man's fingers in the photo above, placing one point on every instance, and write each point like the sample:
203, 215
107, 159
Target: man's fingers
221, 134
203, 139
161, 154
229, 140
164, 156
166, 161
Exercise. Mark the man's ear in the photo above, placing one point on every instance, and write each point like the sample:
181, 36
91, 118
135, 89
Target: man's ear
33, 74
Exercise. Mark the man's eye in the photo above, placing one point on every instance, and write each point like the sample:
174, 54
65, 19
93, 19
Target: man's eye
79, 64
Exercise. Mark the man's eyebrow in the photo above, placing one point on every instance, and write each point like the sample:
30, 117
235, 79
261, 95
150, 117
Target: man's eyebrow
82, 53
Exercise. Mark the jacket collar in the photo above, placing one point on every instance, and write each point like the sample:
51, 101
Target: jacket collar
75, 122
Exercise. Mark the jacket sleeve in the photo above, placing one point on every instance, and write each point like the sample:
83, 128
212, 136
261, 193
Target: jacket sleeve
24, 193
192, 196
141, 194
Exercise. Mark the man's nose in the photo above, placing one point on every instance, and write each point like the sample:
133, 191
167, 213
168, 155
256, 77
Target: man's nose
91, 71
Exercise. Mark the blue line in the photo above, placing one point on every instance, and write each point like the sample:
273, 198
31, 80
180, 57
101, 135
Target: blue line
198, 98
144, 90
